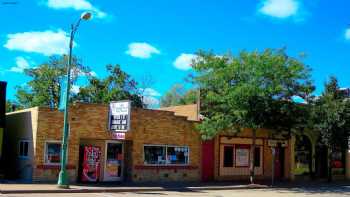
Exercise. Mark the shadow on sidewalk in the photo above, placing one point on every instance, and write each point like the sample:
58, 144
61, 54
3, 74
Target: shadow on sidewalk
314, 187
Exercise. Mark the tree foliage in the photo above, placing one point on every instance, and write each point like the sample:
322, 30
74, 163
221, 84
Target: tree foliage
44, 87
252, 90
118, 85
178, 95
330, 117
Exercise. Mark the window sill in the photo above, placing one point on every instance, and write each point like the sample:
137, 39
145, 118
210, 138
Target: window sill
54, 166
165, 167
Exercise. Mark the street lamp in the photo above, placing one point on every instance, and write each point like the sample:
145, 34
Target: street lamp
63, 181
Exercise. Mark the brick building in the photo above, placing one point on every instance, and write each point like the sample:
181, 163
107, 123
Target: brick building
162, 145
2, 113
159, 146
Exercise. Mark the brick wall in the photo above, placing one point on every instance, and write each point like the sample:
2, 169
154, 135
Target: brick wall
88, 123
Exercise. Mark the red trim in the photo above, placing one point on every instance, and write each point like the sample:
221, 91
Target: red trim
242, 137
47, 167
143, 167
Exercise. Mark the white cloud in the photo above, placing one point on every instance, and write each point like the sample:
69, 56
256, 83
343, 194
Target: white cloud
280, 8
150, 101
21, 64
76, 5
149, 97
184, 61
141, 50
93, 73
78, 72
45, 42
75, 89
150, 92
347, 34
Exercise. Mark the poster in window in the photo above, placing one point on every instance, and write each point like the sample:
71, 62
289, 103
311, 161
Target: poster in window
242, 157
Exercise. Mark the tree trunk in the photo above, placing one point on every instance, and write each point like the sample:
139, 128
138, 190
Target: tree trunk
252, 161
329, 164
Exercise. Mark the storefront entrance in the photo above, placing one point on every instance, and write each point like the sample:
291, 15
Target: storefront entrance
113, 169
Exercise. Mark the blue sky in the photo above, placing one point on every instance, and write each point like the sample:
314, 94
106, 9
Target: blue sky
159, 38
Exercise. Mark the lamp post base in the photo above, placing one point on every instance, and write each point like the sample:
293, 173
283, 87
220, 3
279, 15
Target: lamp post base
63, 180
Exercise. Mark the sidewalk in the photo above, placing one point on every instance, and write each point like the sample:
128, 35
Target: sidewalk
14, 188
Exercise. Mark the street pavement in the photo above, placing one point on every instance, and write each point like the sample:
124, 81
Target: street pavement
270, 192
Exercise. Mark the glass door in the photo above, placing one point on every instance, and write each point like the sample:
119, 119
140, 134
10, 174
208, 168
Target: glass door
113, 170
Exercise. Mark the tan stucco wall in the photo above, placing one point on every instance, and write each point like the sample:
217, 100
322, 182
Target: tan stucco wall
88, 122
189, 111
244, 137
20, 125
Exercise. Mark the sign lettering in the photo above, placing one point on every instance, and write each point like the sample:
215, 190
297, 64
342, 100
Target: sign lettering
119, 116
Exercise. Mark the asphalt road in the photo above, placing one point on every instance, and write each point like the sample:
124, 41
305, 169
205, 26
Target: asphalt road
295, 192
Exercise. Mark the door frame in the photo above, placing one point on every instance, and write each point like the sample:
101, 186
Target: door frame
105, 160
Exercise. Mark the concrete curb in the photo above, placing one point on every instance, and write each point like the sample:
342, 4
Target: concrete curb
121, 190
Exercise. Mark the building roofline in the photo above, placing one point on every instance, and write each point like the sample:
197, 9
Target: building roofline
23, 110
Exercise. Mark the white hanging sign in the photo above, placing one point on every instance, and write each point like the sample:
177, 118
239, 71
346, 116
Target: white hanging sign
119, 116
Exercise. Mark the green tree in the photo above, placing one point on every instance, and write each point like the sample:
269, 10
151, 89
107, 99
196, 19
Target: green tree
178, 95
9, 106
252, 90
331, 118
44, 87
118, 85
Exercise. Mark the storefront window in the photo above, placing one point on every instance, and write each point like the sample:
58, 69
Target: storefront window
257, 157
163, 154
177, 155
23, 148
155, 155
228, 156
53, 153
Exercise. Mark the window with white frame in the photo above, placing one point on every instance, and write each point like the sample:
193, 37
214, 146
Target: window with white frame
23, 148
166, 155
53, 152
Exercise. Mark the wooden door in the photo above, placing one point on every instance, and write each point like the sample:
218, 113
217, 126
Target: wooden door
208, 160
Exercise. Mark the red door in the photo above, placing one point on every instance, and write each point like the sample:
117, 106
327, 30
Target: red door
279, 162
208, 160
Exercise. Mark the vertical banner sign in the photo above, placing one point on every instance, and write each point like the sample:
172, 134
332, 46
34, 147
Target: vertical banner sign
63, 94
119, 116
